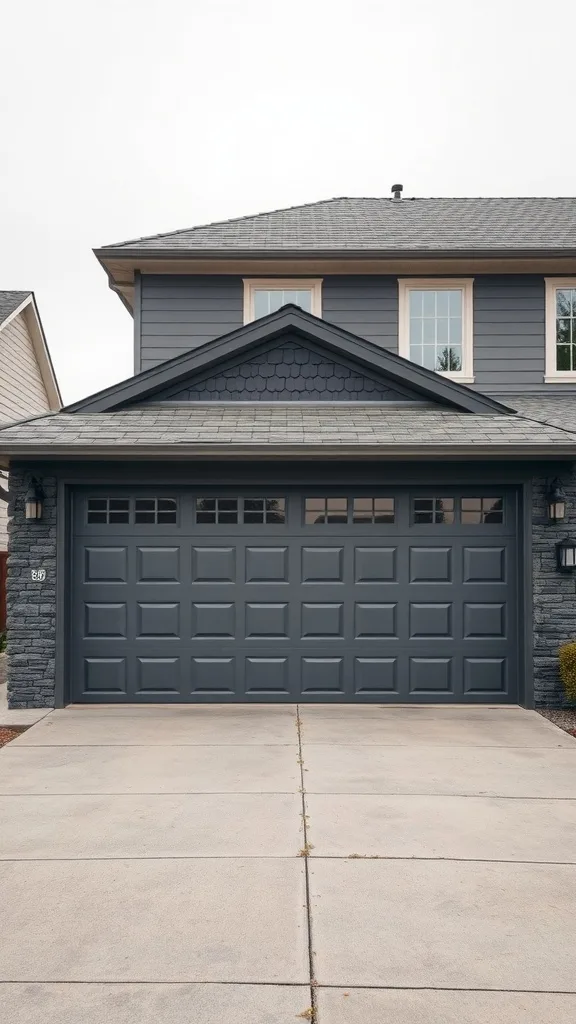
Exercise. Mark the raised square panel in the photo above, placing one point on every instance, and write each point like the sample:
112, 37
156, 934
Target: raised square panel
105, 620
158, 565
374, 620
267, 565
215, 620
213, 565
322, 620
155, 620
322, 675
375, 675
322, 565
162, 675
104, 675
375, 565
484, 565
484, 675
430, 620
430, 565
266, 675
213, 675
430, 675
269, 620
484, 620
105, 565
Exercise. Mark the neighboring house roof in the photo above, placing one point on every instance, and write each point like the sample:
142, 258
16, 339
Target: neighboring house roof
380, 225
289, 320
249, 429
9, 303
14, 303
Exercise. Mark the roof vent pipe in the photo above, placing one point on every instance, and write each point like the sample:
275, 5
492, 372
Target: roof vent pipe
397, 190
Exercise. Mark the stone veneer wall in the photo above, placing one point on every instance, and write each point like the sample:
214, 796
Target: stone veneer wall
554, 592
31, 606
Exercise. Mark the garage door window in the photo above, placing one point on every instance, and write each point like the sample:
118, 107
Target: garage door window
482, 510
373, 510
155, 510
264, 510
321, 511
433, 510
108, 510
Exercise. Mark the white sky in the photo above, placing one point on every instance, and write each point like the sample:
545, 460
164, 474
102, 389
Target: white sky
129, 117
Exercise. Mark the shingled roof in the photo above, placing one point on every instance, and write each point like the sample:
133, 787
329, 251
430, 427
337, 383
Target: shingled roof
9, 301
258, 428
381, 225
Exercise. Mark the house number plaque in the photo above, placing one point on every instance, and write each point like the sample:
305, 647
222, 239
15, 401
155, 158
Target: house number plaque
39, 575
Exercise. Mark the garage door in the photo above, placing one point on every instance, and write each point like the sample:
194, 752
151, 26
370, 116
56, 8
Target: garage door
372, 595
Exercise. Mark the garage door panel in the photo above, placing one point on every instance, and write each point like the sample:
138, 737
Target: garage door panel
341, 608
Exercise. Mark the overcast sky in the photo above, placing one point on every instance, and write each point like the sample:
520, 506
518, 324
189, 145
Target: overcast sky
129, 117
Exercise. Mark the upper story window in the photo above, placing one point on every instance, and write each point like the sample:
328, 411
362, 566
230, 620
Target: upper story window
436, 326
266, 295
561, 329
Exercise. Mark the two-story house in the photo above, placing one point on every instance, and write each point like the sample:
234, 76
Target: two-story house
344, 469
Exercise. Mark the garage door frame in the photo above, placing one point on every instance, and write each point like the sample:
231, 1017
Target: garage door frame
326, 476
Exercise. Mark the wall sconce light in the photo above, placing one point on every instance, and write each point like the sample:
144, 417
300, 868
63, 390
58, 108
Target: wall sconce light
566, 554
34, 499
556, 502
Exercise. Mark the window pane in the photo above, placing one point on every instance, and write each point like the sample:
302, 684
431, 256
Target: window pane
433, 510
493, 510
166, 504
144, 517
145, 504
455, 328
261, 303
442, 303
119, 504
119, 517
415, 299
97, 504
228, 504
415, 331
563, 358
563, 302
96, 517
304, 299
205, 517
268, 300
429, 331
206, 504
429, 304
253, 504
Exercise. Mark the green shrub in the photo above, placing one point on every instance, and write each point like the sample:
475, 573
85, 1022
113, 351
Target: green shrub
567, 655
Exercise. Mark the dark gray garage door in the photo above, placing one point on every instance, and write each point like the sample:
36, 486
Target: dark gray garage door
376, 595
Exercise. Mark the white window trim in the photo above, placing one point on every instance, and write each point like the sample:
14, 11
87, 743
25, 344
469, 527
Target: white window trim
552, 375
313, 284
405, 285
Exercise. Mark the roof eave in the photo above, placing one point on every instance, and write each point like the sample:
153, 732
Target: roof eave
269, 451
253, 253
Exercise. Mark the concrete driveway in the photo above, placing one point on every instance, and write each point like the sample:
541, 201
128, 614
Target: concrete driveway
155, 866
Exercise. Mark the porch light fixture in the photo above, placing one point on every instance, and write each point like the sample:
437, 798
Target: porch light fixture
34, 499
566, 554
556, 502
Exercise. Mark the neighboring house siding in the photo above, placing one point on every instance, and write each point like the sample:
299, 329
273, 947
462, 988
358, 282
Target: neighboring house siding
181, 313
22, 392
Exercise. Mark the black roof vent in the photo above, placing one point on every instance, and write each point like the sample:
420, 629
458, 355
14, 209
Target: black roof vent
397, 190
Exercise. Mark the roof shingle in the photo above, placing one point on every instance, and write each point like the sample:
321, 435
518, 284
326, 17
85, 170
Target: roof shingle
9, 301
382, 224
188, 427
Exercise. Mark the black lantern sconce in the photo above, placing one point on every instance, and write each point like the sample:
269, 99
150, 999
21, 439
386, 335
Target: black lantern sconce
556, 502
566, 555
34, 499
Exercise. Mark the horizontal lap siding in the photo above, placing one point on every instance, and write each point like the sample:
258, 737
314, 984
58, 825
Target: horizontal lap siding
366, 306
180, 313
22, 392
509, 341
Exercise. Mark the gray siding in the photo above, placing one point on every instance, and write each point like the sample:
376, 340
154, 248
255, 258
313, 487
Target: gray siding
366, 306
509, 345
179, 313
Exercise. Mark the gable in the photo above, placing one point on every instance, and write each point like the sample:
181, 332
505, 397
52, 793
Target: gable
22, 390
288, 371
290, 324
